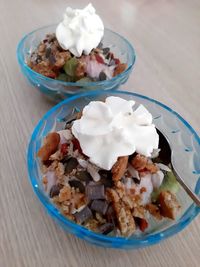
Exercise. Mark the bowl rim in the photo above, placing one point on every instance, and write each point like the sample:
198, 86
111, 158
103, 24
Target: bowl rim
81, 231
88, 84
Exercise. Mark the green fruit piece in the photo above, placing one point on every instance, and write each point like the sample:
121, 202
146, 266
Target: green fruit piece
169, 184
70, 66
84, 80
63, 77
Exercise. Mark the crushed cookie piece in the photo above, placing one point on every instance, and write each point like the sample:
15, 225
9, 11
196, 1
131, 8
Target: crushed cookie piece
154, 211
169, 205
119, 69
139, 162
50, 146
119, 168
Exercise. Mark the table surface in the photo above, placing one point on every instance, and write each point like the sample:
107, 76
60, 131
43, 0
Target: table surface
166, 36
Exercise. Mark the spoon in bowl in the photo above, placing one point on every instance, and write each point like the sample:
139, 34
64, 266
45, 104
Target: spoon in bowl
166, 155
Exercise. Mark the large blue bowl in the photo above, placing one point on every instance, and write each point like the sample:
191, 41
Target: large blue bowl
186, 147
59, 90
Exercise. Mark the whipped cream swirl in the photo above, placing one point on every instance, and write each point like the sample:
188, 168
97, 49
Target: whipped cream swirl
80, 31
110, 129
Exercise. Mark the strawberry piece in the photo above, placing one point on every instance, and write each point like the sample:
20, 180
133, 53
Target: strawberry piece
99, 59
143, 224
64, 148
77, 145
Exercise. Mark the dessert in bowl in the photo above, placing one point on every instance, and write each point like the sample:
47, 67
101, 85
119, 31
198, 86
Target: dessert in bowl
100, 175
76, 55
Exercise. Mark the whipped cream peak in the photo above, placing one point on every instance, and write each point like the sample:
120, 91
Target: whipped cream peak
80, 31
110, 129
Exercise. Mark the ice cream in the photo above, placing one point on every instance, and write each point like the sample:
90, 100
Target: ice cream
110, 129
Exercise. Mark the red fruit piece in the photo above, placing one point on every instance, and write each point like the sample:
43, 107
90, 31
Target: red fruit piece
117, 61
77, 145
99, 59
143, 224
64, 148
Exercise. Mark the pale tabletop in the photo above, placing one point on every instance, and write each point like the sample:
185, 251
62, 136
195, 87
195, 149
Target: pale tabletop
166, 36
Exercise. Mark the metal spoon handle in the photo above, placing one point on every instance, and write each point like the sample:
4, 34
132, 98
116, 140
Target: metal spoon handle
193, 196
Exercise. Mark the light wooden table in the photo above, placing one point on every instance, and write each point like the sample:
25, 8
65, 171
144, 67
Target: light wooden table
166, 36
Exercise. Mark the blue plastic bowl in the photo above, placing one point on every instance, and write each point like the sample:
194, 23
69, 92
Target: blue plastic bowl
59, 90
186, 146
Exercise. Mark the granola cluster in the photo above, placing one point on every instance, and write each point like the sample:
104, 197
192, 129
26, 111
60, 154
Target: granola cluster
116, 201
50, 60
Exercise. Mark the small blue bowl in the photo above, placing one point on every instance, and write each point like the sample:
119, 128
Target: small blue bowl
186, 148
59, 90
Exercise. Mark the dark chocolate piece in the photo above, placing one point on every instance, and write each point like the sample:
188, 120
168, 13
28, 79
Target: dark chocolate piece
106, 228
106, 50
55, 190
106, 178
102, 76
84, 215
77, 184
95, 191
84, 176
100, 206
70, 165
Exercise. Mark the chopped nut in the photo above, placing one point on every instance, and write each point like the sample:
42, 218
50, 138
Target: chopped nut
169, 205
65, 194
100, 218
44, 180
143, 189
50, 146
119, 168
59, 171
92, 224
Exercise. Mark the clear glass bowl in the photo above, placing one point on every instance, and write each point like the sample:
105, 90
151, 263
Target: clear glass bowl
185, 144
59, 90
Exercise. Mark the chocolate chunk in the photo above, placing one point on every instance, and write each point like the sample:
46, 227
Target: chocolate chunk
65, 159
106, 50
137, 181
95, 191
84, 176
48, 52
106, 228
55, 190
102, 76
84, 215
106, 178
77, 184
99, 206
70, 165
